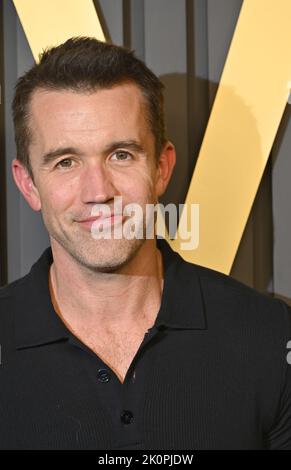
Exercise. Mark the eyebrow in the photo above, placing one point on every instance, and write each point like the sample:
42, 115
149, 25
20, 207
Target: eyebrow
52, 155
49, 157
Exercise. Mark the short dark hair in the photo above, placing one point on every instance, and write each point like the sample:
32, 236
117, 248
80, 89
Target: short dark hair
85, 64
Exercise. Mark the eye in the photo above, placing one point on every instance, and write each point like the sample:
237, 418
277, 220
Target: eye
65, 163
121, 155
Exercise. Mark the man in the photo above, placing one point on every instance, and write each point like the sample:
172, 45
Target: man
116, 342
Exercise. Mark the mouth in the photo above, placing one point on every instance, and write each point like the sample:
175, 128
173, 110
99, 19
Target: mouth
104, 221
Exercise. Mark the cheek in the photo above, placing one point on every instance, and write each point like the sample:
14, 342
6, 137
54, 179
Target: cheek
139, 192
57, 199
139, 183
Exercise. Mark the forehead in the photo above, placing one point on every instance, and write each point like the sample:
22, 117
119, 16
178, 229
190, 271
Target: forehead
121, 108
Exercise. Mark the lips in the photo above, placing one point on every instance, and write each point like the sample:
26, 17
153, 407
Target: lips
99, 220
92, 219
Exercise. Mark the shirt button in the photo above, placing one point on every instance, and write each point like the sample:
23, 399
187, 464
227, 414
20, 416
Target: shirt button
126, 417
103, 375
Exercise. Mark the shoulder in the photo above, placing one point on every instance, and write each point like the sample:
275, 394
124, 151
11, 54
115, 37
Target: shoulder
21, 293
23, 289
229, 300
14, 295
10, 290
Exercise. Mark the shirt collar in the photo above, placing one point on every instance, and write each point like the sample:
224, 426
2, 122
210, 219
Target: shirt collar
182, 301
37, 323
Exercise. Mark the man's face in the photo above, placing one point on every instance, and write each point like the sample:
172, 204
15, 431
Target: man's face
87, 149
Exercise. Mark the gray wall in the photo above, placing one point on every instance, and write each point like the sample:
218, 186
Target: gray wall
281, 190
26, 234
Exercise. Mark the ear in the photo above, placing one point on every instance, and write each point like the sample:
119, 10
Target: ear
165, 168
26, 185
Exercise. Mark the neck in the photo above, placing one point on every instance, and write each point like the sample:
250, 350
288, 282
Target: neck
129, 297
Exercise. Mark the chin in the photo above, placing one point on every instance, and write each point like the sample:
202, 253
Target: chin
107, 255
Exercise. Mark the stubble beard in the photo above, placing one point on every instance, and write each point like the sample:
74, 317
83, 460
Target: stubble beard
102, 255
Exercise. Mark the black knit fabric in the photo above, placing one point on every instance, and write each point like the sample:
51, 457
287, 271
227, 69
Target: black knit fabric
211, 374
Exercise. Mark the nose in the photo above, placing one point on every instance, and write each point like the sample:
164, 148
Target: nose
97, 184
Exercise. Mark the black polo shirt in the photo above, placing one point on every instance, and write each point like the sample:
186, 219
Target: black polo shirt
211, 374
